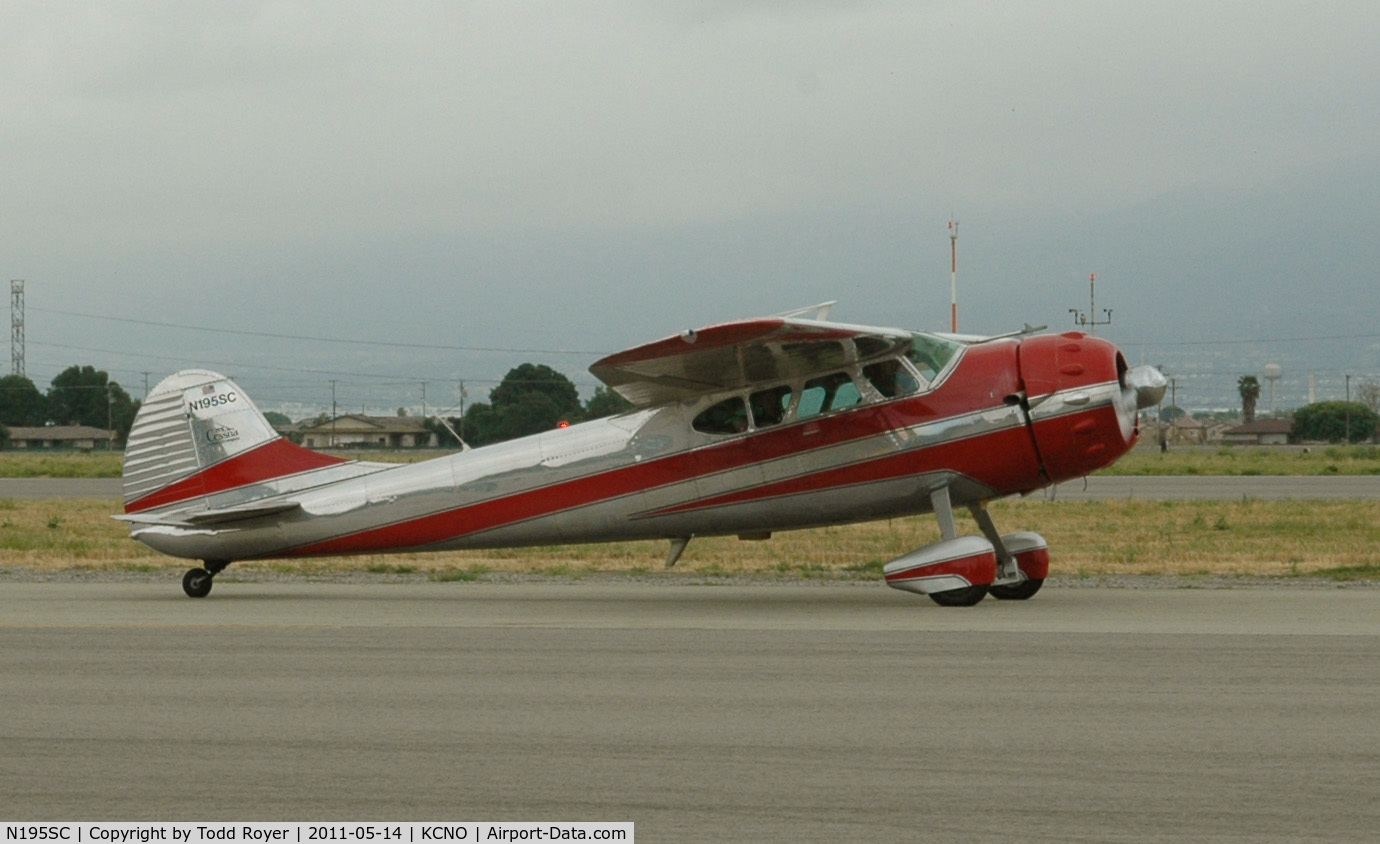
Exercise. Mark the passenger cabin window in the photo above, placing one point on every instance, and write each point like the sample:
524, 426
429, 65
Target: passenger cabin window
769, 406
827, 393
727, 417
891, 378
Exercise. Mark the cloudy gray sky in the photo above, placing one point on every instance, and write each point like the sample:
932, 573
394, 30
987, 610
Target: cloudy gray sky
500, 182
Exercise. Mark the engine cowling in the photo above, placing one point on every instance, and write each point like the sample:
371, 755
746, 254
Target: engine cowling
1083, 401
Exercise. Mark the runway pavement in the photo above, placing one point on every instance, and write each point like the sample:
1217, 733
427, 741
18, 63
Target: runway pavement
60, 487
839, 712
1160, 487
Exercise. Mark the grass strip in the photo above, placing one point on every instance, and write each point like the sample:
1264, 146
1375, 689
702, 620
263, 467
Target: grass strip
1336, 539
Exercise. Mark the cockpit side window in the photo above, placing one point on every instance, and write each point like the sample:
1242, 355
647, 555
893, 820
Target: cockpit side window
769, 406
827, 393
726, 417
892, 378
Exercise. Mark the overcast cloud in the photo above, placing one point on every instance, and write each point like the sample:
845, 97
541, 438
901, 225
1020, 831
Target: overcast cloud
588, 176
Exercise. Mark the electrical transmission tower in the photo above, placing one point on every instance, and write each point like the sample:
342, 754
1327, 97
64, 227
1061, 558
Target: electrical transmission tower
17, 325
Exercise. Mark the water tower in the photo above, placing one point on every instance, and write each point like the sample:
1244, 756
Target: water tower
1272, 374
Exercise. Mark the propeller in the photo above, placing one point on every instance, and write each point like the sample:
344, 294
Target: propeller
1141, 387
1149, 385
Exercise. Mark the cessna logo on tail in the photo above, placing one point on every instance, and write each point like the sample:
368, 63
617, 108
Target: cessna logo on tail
222, 434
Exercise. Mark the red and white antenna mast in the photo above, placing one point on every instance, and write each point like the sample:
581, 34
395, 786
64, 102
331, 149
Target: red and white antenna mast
953, 276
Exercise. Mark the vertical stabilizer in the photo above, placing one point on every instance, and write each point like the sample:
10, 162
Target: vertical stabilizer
196, 434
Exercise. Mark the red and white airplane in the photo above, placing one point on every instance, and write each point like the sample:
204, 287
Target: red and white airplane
742, 428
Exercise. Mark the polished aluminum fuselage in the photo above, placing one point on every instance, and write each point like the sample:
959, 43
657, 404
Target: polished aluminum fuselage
649, 474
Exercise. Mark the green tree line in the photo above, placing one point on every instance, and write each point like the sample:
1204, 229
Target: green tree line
79, 395
1334, 422
531, 398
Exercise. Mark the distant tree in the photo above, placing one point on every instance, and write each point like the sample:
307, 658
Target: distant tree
1369, 392
605, 402
1249, 387
1330, 421
531, 413
480, 425
531, 398
4, 437
1171, 412
537, 379
276, 419
84, 395
20, 402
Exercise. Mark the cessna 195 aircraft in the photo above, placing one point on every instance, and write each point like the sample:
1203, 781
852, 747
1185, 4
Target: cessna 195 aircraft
741, 428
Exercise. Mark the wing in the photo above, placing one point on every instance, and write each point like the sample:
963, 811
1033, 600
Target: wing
738, 354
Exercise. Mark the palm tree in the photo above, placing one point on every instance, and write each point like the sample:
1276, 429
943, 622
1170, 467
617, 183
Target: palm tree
1249, 388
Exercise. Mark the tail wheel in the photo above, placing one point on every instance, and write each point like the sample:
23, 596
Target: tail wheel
1017, 591
965, 597
197, 583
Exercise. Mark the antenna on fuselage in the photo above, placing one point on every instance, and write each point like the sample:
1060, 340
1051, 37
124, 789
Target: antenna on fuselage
426, 414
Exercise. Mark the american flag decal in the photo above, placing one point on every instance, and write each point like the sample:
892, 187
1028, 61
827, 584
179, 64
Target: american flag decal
209, 388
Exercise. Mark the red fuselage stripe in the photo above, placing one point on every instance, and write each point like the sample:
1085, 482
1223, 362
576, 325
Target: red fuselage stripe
1004, 461
274, 459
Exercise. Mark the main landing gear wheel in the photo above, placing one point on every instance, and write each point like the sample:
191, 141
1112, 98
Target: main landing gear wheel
197, 583
966, 597
1017, 591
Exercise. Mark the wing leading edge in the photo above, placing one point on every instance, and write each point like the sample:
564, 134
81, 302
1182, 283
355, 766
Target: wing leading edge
738, 354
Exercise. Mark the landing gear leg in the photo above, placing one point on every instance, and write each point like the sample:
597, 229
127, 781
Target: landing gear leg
1022, 559
197, 582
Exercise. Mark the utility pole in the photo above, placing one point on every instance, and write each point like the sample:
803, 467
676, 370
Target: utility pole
1090, 320
1348, 409
332, 413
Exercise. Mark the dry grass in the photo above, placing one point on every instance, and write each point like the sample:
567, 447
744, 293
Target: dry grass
1271, 538
61, 464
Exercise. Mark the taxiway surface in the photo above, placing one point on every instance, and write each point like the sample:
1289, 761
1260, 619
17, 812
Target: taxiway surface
839, 712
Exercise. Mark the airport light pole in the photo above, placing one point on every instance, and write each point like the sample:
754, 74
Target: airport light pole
1090, 319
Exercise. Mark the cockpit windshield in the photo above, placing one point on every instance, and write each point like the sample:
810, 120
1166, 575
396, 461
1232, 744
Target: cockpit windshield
931, 354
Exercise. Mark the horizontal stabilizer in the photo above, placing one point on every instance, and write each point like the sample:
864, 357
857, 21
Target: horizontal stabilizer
216, 516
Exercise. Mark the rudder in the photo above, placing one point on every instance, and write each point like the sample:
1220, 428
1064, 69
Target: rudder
197, 433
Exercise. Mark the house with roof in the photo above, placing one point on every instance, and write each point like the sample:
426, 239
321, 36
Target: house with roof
78, 437
1260, 432
1185, 430
355, 430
